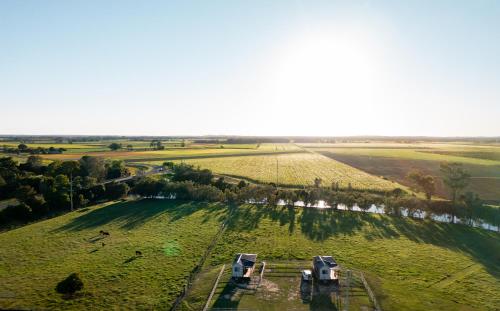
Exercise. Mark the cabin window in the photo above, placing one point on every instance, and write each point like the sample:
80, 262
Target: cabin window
236, 269
324, 272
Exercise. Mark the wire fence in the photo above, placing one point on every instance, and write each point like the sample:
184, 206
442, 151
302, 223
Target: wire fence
369, 291
197, 269
207, 304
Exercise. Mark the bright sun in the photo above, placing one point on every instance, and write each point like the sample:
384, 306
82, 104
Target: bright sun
328, 72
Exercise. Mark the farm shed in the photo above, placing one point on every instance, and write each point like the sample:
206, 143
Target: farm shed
325, 268
243, 265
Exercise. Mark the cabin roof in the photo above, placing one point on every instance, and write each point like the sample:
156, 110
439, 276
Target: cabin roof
324, 261
247, 260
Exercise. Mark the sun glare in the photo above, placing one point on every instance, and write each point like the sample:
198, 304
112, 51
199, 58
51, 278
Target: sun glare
331, 72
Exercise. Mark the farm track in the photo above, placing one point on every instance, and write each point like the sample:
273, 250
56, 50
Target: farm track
456, 276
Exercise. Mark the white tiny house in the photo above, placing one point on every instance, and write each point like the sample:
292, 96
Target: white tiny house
326, 269
243, 265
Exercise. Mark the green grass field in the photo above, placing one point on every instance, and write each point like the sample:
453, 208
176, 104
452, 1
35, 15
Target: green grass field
171, 236
293, 169
411, 265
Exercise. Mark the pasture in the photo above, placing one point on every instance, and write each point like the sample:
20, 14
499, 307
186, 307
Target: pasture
410, 264
36, 257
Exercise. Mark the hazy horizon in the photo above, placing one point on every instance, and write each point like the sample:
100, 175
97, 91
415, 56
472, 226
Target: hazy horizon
280, 68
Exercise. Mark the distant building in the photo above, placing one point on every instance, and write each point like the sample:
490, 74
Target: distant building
243, 265
326, 268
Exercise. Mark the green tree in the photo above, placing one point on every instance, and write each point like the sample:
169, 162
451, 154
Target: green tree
455, 177
35, 161
317, 182
116, 169
93, 167
115, 146
22, 147
25, 194
423, 182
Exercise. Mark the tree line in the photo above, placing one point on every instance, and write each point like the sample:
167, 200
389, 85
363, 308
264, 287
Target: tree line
190, 183
23, 148
41, 190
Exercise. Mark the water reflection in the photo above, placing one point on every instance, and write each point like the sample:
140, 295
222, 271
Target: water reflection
420, 214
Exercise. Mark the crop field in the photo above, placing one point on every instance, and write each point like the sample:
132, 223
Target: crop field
293, 169
36, 257
409, 264
480, 162
176, 153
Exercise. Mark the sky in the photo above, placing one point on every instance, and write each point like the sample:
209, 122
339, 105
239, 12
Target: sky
308, 68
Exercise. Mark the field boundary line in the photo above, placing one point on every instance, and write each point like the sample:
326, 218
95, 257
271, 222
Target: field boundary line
194, 273
369, 291
207, 304
447, 280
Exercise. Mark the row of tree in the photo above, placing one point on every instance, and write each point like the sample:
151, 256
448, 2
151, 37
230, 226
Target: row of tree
43, 189
23, 148
190, 183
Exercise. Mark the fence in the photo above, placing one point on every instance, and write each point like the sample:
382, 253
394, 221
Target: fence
262, 269
207, 304
369, 291
199, 266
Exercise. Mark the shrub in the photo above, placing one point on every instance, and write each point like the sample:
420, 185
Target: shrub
70, 285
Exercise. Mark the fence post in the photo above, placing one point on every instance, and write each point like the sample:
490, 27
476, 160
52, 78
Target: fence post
207, 304
369, 291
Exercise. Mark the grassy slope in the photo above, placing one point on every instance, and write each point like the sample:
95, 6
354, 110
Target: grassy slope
411, 265
294, 169
172, 237
407, 261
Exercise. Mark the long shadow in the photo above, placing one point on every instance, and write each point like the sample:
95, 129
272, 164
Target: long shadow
227, 297
319, 225
134, 214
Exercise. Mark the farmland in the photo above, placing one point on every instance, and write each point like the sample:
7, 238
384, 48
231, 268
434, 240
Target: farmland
365, 165
36, 257
395, 163
397, 255
294, 169
178, 153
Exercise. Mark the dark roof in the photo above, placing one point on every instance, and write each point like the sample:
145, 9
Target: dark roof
321, 261
247, 260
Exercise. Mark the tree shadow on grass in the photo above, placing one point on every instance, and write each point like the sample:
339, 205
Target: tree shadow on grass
228, 296
319, 225
130, 215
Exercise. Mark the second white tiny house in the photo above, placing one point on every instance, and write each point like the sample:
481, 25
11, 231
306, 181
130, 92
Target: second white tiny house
326, 269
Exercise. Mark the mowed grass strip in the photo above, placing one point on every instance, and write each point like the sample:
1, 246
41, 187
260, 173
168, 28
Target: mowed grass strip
172, 237
402, 258
294, 169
